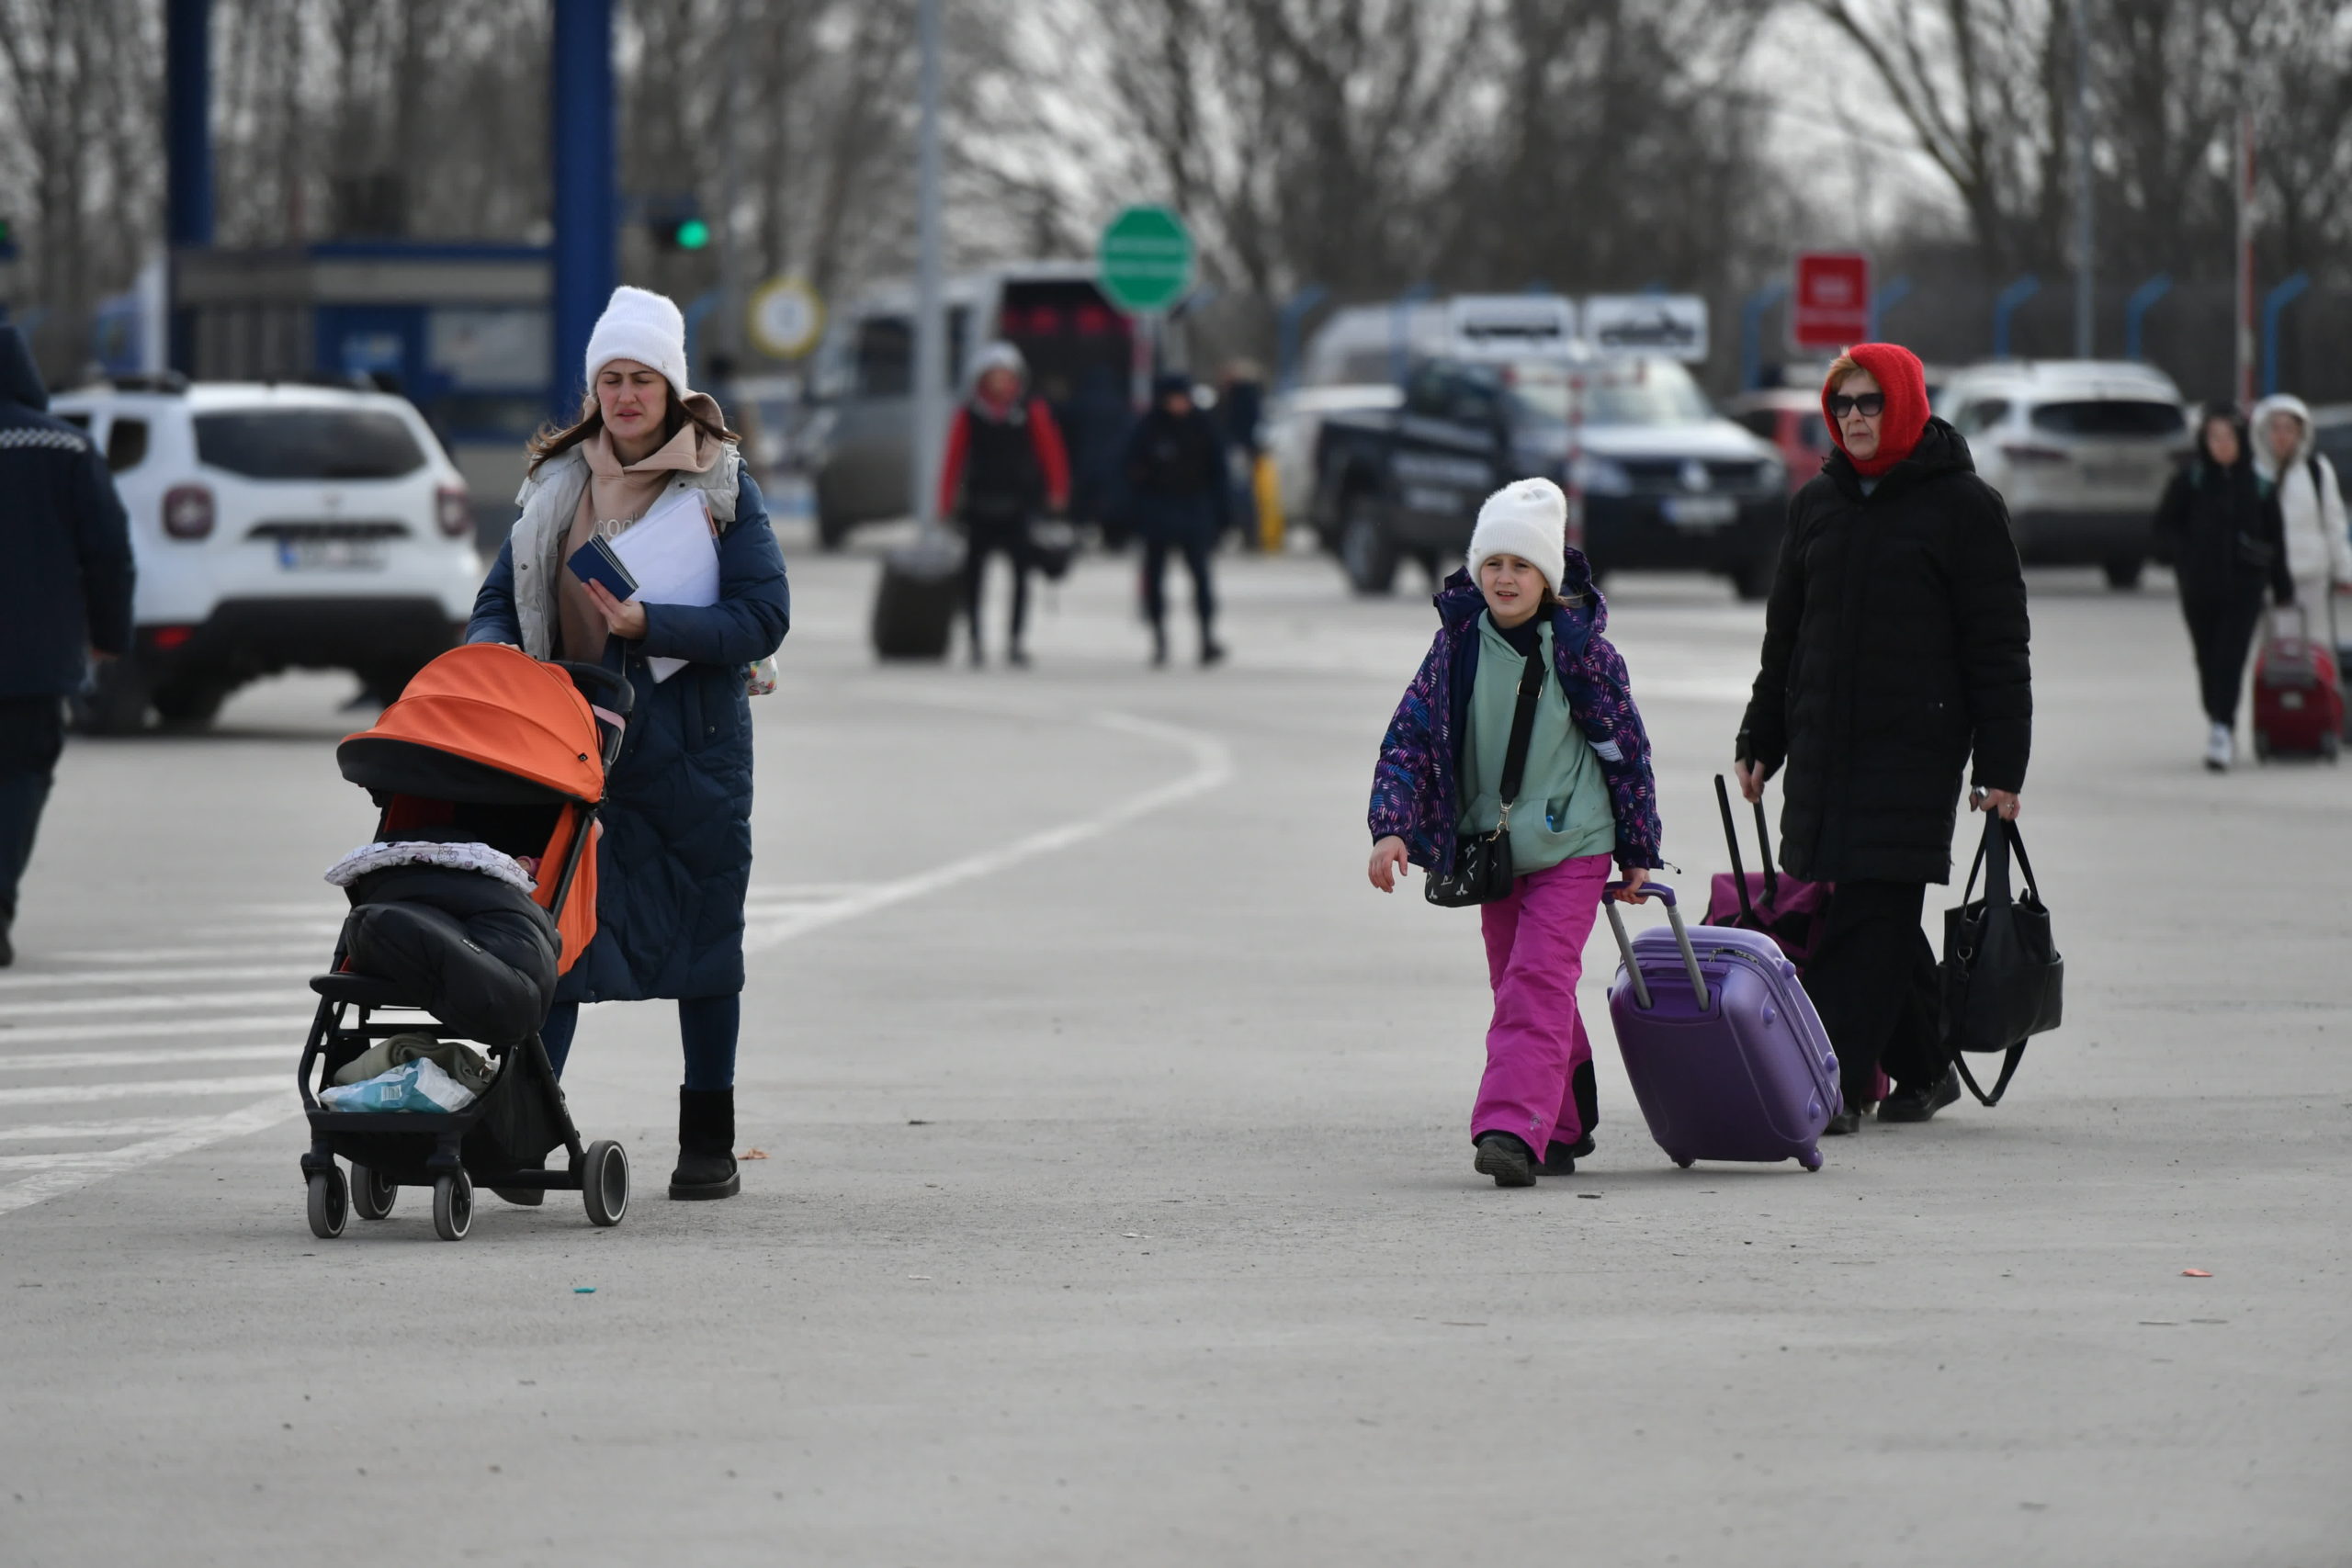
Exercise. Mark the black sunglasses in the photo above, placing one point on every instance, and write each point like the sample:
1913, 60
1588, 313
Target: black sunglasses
1870, 404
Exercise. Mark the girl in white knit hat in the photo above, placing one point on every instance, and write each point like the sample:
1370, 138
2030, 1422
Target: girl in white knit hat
675, 853
1523, 621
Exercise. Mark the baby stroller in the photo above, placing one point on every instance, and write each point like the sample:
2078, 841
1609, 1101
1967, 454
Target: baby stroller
493, 757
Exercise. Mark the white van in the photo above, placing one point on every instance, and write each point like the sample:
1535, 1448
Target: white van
2081, 449
275, 527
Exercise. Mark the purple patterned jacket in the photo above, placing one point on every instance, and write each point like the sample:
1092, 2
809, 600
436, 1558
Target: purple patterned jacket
1413, 790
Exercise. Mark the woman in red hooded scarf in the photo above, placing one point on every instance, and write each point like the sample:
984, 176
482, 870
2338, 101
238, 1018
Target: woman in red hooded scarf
1895, 651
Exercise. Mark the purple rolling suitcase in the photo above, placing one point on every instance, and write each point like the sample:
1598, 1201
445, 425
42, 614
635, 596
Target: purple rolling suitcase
1723, 1047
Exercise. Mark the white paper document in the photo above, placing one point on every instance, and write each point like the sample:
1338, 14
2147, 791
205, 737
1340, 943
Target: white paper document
675, 557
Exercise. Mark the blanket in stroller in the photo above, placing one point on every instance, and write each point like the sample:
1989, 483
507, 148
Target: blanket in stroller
453, 926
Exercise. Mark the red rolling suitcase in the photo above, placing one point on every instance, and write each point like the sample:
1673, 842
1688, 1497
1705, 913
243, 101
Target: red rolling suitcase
2298, 691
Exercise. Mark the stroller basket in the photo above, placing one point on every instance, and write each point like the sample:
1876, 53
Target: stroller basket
495, 746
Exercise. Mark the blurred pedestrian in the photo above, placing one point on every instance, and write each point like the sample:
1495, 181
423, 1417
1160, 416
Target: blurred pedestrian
2311, 502
1586, 796
64, 599
1895, 646
1242, 410
2219, 525
1178, 490
1004, 461
675, 853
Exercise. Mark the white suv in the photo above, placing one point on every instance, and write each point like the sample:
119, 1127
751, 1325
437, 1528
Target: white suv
2081, 449
275, 526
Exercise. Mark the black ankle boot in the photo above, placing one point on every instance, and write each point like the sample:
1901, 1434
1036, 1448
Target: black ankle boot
705, 1145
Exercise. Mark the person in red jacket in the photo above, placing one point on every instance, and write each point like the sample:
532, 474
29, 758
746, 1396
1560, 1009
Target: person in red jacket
1005, 460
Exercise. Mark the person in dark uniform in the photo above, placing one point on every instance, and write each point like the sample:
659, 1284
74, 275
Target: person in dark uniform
64, 598
1176, 475
1005, 460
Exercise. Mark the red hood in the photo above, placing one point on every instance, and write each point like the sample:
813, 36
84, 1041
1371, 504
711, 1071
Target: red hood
1904, 381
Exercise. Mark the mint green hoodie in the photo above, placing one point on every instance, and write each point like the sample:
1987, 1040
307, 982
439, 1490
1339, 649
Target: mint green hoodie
1561, 811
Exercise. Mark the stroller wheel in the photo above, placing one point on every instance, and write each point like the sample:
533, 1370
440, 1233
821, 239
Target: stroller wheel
604, 1182
372, 1193
330, 1204
453, 1206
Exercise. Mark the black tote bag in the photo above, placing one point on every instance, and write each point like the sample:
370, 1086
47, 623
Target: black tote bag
1482, 870
2003, 978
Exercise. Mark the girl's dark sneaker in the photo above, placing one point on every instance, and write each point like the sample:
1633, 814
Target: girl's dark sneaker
1918, 1103
1843, 1123
1510, 1161
1560, 1160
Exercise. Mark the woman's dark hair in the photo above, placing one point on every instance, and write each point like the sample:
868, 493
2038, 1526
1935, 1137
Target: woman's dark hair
675, 416
2230, 415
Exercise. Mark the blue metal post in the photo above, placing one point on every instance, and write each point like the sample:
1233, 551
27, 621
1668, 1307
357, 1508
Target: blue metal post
1751, 330
1399, 314
187, 151
2004, 305
2274, 305
1288, 319
586, 246
1897, 289
2135, 310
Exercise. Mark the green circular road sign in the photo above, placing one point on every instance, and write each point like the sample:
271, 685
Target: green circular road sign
1145, 260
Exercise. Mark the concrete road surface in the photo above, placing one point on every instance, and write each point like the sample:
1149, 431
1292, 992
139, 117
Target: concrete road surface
1116, 1204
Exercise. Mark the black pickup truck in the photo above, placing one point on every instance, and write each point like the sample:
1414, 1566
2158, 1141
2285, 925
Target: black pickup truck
1668, 484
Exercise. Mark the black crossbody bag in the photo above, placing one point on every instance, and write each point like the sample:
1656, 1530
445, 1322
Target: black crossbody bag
1482, 873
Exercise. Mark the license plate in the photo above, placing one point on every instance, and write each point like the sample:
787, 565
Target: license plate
1699, 511
331, 555
2118, 475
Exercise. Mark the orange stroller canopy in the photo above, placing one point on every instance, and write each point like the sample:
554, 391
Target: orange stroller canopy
482, 723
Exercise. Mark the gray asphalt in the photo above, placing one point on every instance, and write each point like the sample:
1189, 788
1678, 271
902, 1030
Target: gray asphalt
1118, 1203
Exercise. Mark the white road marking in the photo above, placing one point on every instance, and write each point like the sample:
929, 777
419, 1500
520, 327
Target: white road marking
189, 1137
775, 915
66, 1061
119, 1127
245, 1023
167, 977
118, 957
193, 1002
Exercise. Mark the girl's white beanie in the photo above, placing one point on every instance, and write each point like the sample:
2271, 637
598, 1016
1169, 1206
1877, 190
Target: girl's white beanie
1527, 518
642, 325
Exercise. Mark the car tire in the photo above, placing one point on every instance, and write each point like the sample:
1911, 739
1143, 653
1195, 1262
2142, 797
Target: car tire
189, 705
2123, 571
117, 702
1366, 553
833, 528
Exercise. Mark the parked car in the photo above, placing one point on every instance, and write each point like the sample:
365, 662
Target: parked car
858, 443
275, 527
1667, 483
1789, 417
2080, 449
1295, 428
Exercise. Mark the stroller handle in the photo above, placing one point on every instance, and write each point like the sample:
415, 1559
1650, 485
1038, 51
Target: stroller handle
599, 684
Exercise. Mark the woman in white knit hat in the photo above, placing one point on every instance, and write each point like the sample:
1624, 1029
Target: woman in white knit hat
675, 855
1523, 616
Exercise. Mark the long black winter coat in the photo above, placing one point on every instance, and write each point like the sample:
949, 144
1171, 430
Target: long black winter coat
65, 584
1895, 645
2220, 531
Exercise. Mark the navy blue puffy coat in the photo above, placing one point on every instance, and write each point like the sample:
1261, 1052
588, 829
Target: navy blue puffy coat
678, 846
66, 584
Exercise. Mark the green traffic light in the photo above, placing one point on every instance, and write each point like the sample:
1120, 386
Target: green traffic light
693, 234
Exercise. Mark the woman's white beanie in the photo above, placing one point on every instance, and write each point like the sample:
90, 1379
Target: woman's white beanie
1527, 518
642, 325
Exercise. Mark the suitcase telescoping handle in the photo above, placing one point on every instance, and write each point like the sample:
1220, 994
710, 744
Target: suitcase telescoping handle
1664, 893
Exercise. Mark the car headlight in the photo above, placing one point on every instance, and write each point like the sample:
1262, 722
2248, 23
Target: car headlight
1601, 476
1772, 474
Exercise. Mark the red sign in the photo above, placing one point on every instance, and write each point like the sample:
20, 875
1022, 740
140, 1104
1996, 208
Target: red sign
1830, 307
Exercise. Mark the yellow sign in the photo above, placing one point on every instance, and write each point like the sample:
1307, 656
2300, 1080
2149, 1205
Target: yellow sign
786, 318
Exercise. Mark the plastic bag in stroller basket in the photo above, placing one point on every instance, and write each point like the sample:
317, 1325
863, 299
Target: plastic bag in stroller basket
418, 1085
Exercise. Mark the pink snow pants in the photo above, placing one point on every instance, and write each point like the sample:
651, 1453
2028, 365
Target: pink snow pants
1534, 957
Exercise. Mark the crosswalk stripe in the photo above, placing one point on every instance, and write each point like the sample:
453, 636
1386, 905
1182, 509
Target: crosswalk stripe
242, 1023
160, 976
123, 957
66, 1061
190, 1135
144, 1004
110, 1127
81, 1093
